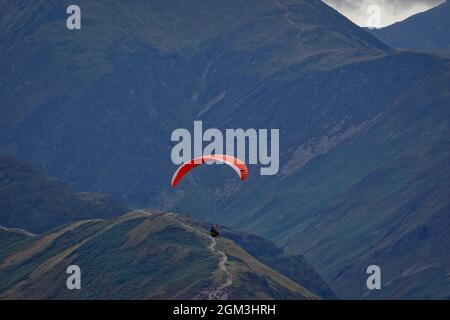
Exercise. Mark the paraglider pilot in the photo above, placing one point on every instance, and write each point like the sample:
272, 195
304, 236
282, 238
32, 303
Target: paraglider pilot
214, 233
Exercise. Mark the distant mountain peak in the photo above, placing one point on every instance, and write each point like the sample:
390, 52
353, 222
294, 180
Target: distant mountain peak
425, 31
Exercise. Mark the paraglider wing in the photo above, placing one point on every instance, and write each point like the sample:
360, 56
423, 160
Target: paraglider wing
235, 163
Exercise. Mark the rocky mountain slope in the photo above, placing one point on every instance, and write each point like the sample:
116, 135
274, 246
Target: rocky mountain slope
141, 255
32, 200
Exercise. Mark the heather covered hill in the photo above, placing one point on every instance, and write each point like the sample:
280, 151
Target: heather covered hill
32, 200
141, 255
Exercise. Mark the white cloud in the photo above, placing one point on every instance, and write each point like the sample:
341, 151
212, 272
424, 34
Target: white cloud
391, 10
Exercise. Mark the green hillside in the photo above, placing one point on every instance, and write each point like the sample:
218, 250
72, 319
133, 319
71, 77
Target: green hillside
141, 255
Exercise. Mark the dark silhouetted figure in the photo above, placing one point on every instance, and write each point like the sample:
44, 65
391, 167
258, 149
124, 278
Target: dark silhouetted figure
214, 233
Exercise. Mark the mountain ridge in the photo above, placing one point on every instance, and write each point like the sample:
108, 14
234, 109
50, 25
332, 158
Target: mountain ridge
227, 271
431, 31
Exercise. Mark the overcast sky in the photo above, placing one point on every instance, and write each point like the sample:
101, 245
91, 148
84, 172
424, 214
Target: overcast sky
391, 11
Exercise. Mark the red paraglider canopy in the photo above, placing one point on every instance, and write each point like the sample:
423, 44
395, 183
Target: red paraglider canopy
235, 163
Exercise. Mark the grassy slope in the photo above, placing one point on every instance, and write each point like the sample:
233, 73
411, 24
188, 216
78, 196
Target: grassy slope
294, 266
141, 255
